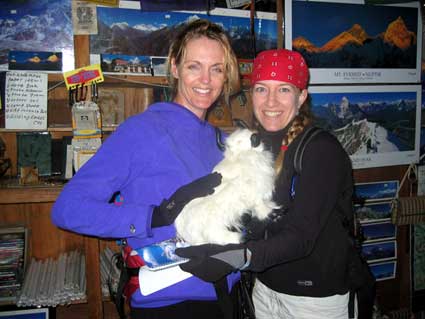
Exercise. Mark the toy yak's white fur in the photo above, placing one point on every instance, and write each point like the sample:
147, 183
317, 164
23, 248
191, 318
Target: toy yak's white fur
247, 185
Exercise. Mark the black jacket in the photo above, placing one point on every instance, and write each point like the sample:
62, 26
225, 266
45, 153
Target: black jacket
307, 246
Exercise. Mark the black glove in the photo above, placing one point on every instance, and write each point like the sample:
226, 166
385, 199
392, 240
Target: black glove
167, 212
212, 262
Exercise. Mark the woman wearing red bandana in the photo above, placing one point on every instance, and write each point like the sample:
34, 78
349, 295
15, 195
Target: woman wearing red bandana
302, 263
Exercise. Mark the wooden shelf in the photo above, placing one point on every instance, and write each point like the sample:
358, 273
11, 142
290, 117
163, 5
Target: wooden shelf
13, 193
51, 129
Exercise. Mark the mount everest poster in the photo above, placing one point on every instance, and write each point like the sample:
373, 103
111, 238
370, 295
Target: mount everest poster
356, 43
43, 25
377, 125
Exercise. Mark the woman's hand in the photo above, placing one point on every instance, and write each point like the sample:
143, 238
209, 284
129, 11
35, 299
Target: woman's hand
212, 262
167, 212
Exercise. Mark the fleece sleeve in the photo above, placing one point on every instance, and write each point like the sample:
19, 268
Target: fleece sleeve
317, 190
83, 205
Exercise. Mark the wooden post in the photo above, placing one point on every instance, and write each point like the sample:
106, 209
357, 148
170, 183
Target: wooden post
91, 245
279, 22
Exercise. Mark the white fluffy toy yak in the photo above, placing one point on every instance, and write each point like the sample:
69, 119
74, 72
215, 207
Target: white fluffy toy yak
247, 185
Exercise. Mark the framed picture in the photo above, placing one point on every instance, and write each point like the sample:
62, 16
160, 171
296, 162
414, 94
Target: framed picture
131, 31
378, 231
40, 313
384, 271
373, 212
355, 42
377, 125
380, 251
375, 191
27, 29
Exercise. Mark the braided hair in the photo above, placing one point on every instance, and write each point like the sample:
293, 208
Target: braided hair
301, 120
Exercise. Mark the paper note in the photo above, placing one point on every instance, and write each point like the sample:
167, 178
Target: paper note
26, 100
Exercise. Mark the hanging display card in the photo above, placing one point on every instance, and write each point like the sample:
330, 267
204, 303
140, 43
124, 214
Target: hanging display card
26, 100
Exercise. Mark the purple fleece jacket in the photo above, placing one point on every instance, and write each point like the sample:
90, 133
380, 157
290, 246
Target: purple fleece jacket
147, 158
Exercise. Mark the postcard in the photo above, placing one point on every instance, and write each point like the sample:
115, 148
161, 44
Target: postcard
380, 251
373, 191
35, 60
384, 271
373, 212
377, 125
121, 63
378, 231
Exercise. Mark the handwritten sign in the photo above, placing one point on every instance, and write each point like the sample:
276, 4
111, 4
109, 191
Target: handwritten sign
26, 100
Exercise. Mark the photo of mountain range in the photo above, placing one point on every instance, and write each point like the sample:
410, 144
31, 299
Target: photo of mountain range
356, 43
44, 25
135, 32
370, 121
355, 36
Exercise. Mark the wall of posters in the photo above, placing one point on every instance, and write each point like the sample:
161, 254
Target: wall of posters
377, 125
356, 43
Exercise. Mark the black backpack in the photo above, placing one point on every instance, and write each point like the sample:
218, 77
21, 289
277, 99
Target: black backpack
361, 280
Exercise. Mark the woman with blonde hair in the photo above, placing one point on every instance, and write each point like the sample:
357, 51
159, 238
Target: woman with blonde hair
156, 162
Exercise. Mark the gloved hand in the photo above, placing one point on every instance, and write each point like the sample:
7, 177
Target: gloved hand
212, 262
169, 209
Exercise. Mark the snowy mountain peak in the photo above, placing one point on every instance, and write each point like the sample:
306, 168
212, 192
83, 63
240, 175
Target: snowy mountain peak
120, 25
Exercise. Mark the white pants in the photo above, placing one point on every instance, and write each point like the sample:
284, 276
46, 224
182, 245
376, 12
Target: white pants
270, 304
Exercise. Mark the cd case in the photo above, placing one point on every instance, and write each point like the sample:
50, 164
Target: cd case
161, 255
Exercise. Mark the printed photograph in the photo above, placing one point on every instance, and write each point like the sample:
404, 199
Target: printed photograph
367, 192
245, 67
378, 231
356, 42
373, 212
159, 65
135, 32
377, 126
380, 251
120, 63
384, 271
37, 26
41, 61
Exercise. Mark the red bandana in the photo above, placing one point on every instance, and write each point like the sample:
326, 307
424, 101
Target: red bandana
280, 65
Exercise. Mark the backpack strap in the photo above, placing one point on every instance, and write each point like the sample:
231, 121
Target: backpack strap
298, 157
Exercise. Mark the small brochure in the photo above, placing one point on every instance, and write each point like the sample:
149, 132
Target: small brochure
161, 255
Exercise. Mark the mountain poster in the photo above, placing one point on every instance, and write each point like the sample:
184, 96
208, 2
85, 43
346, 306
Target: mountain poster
377, 125
139, 33
356, 43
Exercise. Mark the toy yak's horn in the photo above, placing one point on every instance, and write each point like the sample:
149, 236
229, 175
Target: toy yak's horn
255, 140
